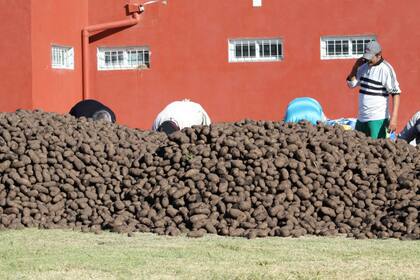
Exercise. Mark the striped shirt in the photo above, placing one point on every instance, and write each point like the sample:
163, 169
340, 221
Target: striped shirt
376, 83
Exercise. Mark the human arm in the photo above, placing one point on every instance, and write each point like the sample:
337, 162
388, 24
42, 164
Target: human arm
394, 117
352, 77
393, 88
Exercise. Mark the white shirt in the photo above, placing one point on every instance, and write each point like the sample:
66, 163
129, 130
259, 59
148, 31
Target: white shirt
376, 83
184, 113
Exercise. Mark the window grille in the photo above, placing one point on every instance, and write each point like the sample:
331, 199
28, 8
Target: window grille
123, 58
254, 50
341, 47
62, 57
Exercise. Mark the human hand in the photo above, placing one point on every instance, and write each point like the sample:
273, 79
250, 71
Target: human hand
360, 61
392, 124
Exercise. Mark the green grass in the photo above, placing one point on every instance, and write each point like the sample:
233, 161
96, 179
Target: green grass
59, 254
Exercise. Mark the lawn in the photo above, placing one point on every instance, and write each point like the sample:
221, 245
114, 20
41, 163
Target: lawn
60, 254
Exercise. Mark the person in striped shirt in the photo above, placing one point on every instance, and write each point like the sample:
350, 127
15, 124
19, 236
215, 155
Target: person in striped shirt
377, 81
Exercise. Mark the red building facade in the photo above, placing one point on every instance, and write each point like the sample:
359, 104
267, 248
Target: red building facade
188, 43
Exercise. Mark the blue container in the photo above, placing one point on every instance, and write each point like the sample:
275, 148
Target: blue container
392, 136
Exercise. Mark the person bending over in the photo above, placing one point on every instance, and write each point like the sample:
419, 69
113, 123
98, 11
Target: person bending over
180, 114
304, 108
93, 109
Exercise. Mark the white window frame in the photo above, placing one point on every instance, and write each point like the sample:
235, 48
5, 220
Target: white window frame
62, 57
255, 45
123, 58
339, 41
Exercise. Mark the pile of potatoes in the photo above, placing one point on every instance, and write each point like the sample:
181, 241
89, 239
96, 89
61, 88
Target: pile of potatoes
249, 178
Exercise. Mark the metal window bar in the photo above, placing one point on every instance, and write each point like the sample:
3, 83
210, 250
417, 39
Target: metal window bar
132, 58
345, 47
147, 58
54, 56
142, 55
246, 49
338, 50
113, 60
266, 48
124, 58
55, 52
57, 61
261, 48
60, 57
252, 52
67, 58
330, 47
107, 58
359, 46
255, 50
238, 50
273, 50
120, 58
364, 45
66, 54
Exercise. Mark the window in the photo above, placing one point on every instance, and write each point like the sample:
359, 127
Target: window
124, 58
249, 50
256, 3
344, 47
62, 57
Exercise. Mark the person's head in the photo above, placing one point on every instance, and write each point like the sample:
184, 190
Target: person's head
102, 115
168, 127
373, 52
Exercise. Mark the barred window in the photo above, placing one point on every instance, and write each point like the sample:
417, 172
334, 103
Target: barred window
123, 58
251, 50
340, 47
138, 57
62, 57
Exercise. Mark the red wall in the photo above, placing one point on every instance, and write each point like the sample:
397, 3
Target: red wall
15, 51
57, 22
189, 44
188, 40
